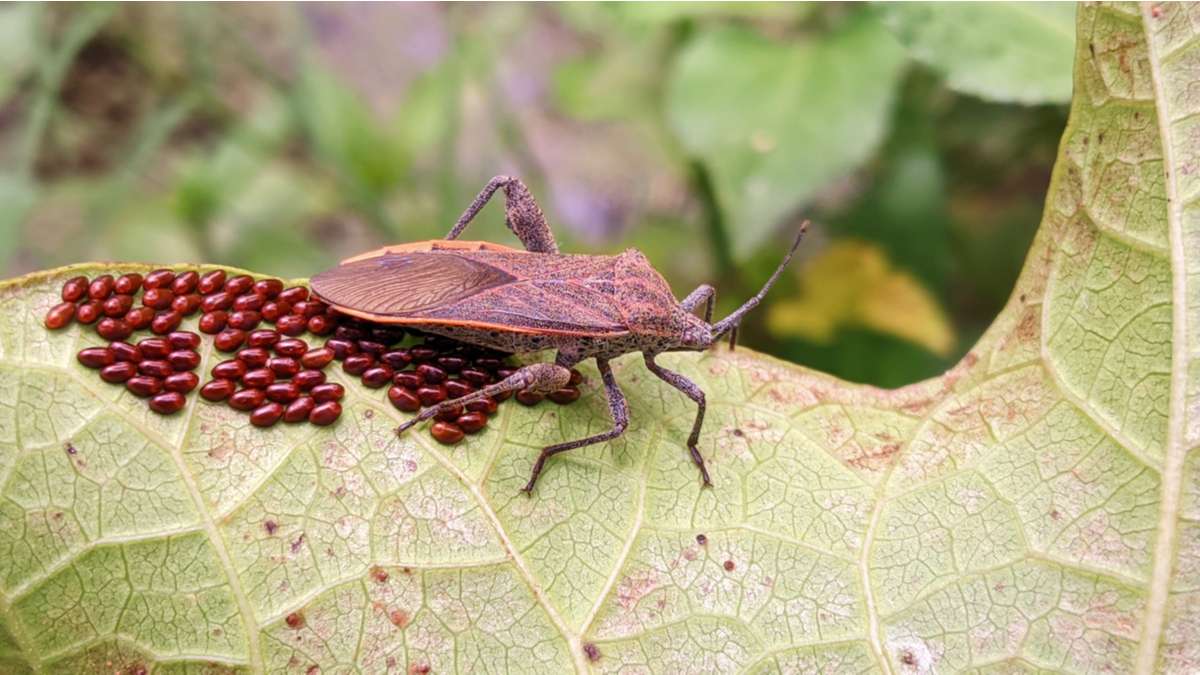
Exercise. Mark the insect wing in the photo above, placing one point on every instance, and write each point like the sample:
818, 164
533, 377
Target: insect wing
540, 306
406, 284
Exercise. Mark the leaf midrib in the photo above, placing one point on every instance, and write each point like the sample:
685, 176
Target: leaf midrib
1175, 452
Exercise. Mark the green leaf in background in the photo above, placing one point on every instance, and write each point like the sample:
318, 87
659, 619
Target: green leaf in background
1016, 52
775, 122
1036, 508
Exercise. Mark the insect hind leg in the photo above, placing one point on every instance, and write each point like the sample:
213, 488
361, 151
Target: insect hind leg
618, 409
541, 378
522, 214
692, 391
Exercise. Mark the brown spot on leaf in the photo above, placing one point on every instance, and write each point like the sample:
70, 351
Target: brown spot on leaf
379, 574
70, 449
418, 669
701, 539
298, 543
399, 618
1027, 330
313, 670
729, 566
908, 658
633, 588
591, 651
270, 526
875, 459
295, 620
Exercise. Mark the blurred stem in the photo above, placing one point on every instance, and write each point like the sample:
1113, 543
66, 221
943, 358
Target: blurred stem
199, 65
509, 130
56, 62
449, 206
714, 223
697, 174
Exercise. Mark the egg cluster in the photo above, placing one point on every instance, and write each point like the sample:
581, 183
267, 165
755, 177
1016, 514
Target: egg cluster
272, 374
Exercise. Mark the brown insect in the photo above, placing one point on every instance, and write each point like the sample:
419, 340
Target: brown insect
583, 306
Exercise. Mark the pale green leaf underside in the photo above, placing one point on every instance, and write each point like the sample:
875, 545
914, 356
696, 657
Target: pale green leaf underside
1034, 508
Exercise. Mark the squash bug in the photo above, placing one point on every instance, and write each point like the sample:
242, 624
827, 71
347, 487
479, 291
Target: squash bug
583, 306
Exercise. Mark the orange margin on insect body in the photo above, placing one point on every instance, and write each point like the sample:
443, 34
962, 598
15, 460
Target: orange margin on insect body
436, 245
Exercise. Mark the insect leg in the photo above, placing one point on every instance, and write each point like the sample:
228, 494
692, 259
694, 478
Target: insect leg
693, 392
703, 293
522, 214
541, 378
618, 409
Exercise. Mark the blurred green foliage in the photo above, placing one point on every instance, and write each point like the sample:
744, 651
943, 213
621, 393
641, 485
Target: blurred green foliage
919, 138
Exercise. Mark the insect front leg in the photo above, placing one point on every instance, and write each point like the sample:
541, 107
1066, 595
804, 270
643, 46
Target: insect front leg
703, 293
693, 392
707, 294
618, 409
541, 378
522, 215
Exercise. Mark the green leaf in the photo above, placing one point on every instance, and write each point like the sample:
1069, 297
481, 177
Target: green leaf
1015, 52
1035, 508
775, 122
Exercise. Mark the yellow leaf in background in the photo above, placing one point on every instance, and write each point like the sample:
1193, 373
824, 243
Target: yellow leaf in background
852, 283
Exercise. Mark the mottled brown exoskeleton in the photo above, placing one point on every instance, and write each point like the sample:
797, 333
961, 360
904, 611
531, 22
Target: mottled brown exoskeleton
583, 306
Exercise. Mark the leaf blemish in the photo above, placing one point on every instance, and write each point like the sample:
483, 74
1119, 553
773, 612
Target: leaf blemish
270, 526
295, 620
591, 651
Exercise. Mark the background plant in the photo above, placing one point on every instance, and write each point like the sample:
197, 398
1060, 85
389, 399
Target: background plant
281, 138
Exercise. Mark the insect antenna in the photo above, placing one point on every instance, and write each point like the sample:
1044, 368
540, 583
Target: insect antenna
730, 323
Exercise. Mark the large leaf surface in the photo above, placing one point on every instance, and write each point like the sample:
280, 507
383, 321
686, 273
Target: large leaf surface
1034, 508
